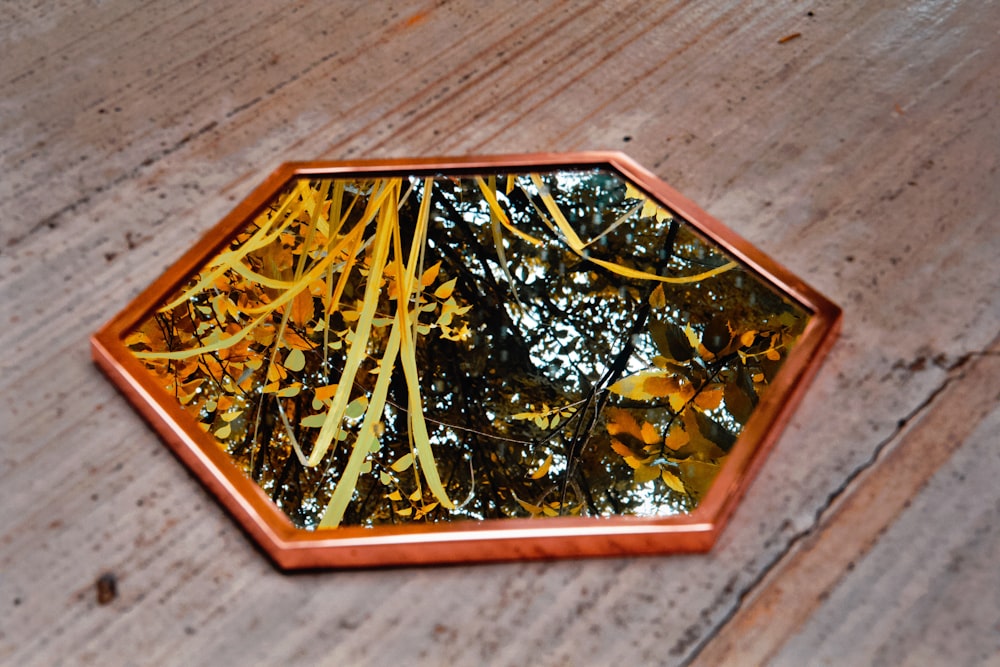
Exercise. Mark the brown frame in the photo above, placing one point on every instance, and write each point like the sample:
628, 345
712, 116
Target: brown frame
463, 541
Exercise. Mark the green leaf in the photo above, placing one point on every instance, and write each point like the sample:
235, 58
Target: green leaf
295, 361
291, 390
356, 408
313, 421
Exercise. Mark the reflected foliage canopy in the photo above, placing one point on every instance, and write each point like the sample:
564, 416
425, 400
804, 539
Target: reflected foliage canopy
434, 347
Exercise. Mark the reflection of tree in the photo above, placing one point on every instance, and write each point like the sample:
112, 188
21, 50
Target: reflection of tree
555, 376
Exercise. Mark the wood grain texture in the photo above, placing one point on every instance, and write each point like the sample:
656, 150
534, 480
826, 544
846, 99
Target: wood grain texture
862, 155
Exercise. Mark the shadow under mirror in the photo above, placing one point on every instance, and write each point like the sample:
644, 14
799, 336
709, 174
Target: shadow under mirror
435, 347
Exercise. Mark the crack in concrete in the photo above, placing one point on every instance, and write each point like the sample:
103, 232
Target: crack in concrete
953, 371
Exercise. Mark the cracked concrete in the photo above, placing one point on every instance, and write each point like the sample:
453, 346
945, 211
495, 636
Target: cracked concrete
856, 516
862, 156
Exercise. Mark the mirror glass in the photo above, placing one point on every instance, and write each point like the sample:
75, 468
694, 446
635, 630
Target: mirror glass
434, 347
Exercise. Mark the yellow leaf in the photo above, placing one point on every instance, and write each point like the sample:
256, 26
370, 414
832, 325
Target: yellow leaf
676, 438
403, 463
620, 448
295, 341
621, 421
396, 495
404, 511
648, 209
223, 432
738, 403
673, 481
534, 510
747, 338
692, 336
302, 308
430, 275
415, 496
773, 355
542, 469
137, 337
445, 289
709, 399
698, 441
698, 476
635, 462
221, 304
426, 509
678, 400
649, 434
657, 299
324, 394
646, 473
230, 416
646, 385
263, 335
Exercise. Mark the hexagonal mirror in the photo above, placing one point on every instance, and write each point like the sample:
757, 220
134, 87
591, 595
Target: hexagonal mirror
476, 359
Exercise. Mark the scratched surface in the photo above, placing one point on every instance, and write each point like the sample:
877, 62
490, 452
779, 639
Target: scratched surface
854, 142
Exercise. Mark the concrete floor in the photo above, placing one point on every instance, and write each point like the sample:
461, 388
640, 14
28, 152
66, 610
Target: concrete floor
856, 143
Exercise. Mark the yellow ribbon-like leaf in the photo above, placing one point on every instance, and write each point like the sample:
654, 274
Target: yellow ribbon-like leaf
542, 469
